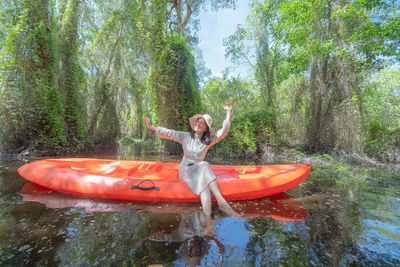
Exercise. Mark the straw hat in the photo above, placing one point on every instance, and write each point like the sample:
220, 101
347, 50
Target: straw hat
206, 117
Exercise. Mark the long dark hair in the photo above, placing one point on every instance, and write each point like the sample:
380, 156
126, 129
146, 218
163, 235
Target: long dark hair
205, 138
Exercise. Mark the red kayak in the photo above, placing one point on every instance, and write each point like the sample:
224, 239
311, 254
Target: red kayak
157, 181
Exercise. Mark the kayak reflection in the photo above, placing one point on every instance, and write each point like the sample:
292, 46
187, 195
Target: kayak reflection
280, 206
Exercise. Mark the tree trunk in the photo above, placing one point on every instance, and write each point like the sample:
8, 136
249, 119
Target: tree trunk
180, 22
69, 71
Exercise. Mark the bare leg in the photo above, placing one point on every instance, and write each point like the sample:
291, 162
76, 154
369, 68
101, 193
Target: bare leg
205, 197
222, 204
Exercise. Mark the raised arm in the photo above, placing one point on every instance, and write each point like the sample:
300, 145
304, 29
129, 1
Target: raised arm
228, 108
165, 133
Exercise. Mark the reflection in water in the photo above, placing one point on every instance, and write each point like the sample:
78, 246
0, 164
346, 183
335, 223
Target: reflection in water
379, 240
193, 233
280, 206
196, 248
190, 227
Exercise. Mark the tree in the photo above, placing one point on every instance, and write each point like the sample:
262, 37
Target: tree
334, 38
381, 110
69, 82
176, 85
332, 44
181, 11
173, 80
101, 56
259, 45
31, 110
95, 63
236, 90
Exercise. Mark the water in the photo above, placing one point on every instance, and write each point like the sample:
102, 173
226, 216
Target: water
322, 222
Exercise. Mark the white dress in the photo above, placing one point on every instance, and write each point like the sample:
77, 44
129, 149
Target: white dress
193, 169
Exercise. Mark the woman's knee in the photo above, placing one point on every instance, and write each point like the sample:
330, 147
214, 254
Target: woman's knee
204, 163
213, 185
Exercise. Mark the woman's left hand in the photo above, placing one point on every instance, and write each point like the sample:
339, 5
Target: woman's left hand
228, 107
147, 121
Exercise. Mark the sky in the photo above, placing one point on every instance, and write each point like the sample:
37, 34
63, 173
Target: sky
214, 27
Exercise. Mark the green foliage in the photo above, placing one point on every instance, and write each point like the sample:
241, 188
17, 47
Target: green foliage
381, 97
249, 134
175, 85
324, 157
235, 90
42, 78
327, 47
66, 64
150, 23
269, 63
31, 103
382, 143
104, 55
109, 125
128, 141
292, 100
102, 59
71, 72
381, 108
136, 113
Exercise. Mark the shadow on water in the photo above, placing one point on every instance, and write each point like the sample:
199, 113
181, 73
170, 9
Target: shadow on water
320, 222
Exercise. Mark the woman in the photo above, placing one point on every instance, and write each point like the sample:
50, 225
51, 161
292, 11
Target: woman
193, 169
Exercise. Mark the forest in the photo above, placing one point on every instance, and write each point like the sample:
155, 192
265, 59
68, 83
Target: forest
325, 75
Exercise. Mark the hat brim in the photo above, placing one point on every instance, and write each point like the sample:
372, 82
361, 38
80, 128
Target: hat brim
193, 120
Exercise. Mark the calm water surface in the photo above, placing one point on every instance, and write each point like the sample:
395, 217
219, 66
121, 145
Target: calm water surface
319, 223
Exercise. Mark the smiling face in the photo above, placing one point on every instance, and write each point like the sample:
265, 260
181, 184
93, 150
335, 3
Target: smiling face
200, 126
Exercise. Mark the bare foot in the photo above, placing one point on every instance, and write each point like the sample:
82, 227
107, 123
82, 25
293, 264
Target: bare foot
228, 210
210, 234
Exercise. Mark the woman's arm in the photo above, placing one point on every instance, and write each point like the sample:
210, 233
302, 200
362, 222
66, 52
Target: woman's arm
165, 133
147, 121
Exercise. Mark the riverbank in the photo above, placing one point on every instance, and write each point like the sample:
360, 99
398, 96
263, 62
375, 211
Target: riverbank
328, 160
348, 170
29, 154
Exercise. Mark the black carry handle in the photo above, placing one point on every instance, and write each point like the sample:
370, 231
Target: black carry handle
145, 187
